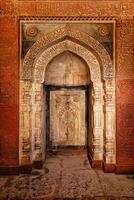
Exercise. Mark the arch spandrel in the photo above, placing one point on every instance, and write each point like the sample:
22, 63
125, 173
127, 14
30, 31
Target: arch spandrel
53, 37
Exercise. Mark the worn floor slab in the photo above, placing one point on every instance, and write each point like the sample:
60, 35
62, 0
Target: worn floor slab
67, 177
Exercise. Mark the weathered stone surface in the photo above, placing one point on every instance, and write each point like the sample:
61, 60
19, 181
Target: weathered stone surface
67, 69
125, 122
9, 120
67, 176
11, 10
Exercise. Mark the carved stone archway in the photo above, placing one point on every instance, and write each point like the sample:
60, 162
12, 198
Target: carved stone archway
60, 34
51, 52
32, 108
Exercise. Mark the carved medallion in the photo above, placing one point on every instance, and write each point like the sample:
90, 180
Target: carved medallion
103, 31
32, 31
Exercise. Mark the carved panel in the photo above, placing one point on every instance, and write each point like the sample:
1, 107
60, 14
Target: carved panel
100, 30
67, 118
118, 8
92, 8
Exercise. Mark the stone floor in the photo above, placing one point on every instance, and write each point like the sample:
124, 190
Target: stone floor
67, 177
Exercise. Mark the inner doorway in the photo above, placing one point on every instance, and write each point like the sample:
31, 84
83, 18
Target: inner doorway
67, 120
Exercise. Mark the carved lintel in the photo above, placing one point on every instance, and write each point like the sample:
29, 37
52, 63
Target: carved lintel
67, 110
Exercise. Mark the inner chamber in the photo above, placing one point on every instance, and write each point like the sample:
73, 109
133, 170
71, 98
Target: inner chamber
67, 85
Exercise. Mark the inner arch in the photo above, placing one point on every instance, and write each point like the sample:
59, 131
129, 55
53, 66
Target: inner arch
67, 69
46, 57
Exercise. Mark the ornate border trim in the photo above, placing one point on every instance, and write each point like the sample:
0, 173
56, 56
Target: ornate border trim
68, 18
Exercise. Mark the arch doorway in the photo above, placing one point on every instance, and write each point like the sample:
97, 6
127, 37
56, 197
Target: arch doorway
67, 58
67, 81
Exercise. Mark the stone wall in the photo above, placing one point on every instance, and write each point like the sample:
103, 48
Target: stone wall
11, 11
9, 105
125, 94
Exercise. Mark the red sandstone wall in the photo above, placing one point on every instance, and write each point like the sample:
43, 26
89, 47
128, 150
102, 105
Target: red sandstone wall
125, 121
9, 150
8, 91
125, 95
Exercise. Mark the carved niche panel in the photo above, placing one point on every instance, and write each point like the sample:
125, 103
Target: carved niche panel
67, 117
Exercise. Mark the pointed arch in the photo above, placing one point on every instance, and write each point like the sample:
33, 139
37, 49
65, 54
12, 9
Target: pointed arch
32, 75
46, 56
60, 34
